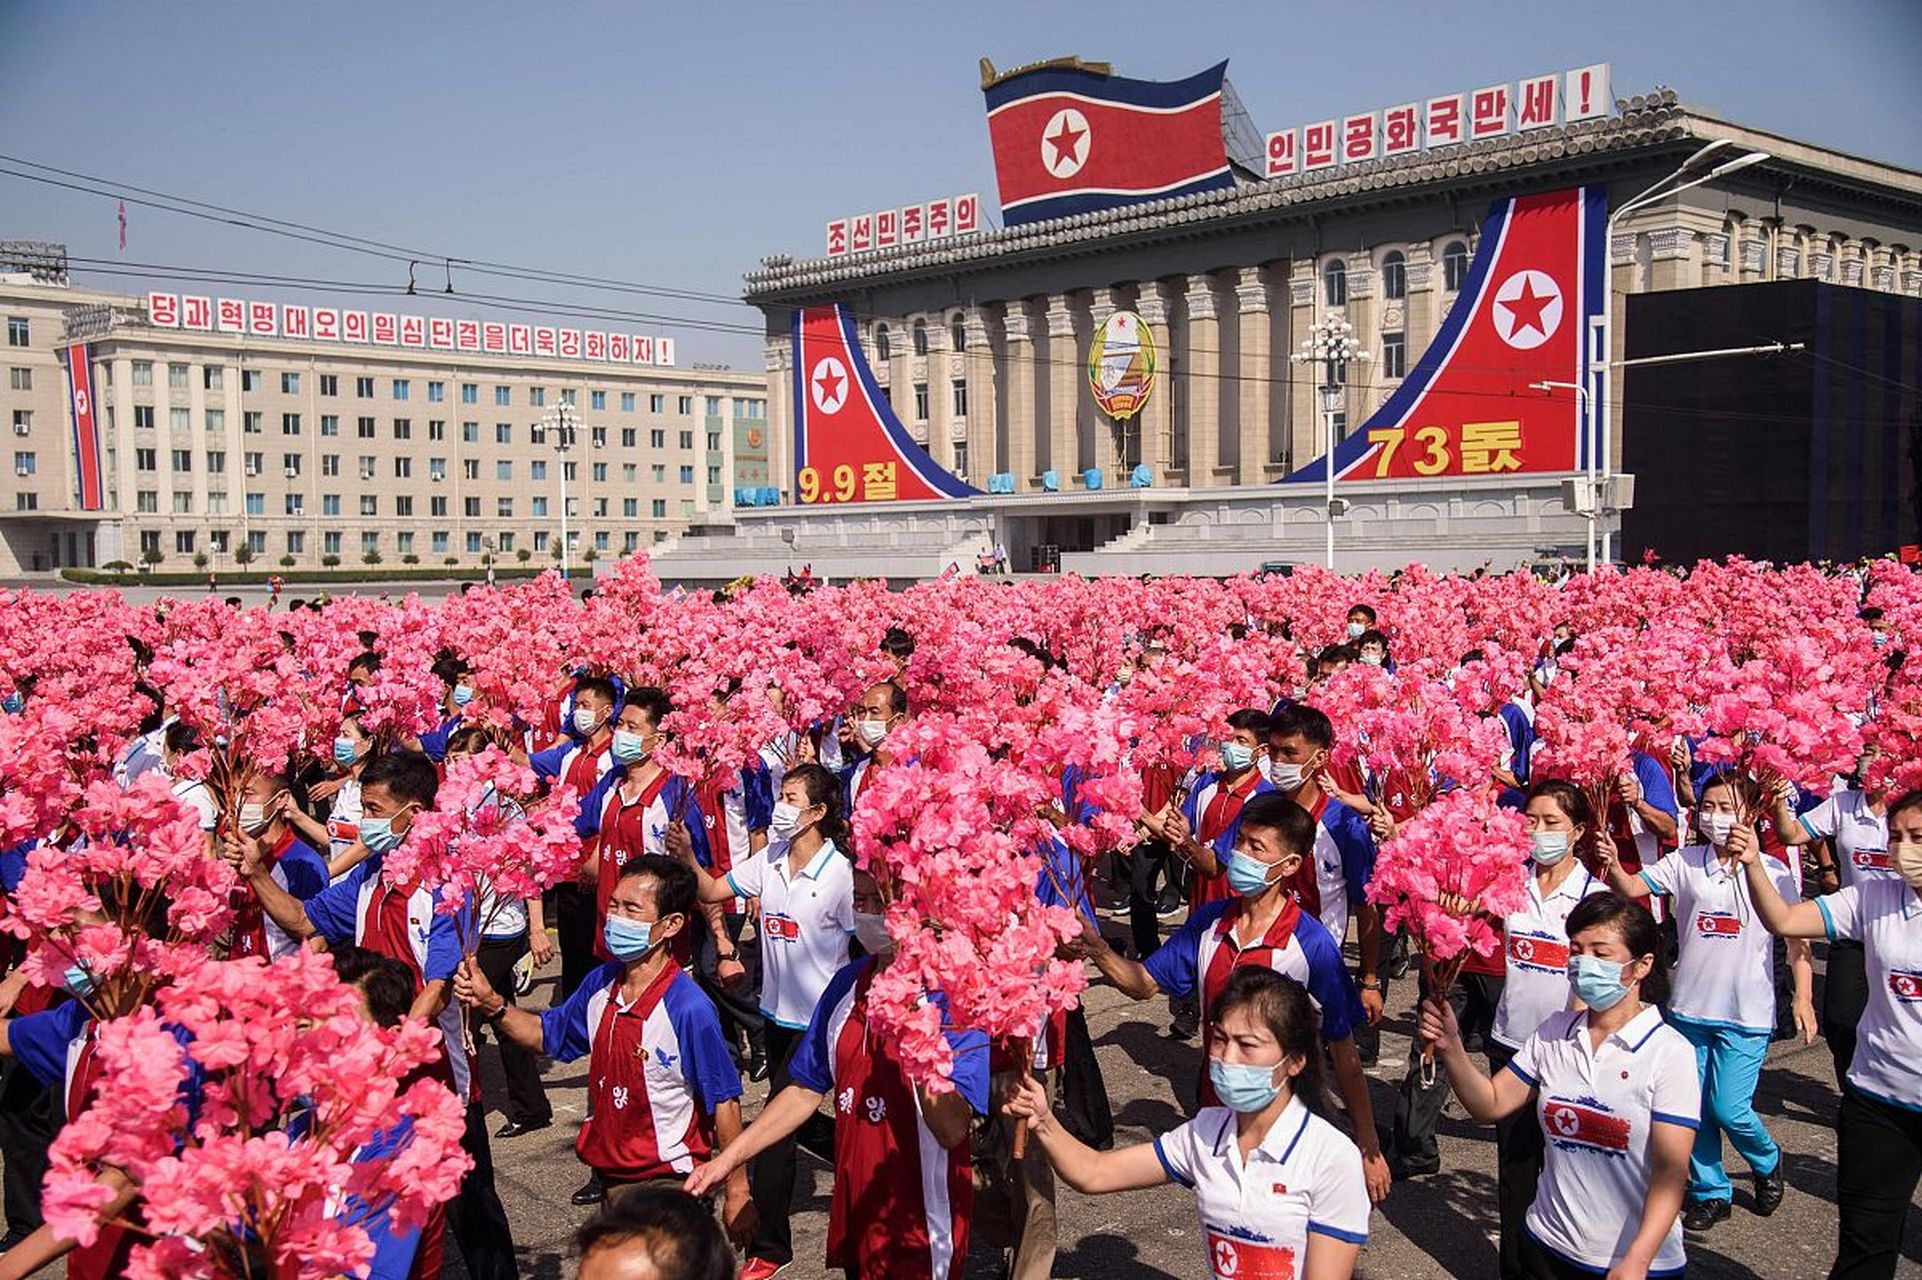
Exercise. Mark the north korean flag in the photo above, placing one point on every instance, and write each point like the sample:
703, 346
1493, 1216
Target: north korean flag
848, 444
1905, 985
1071, 140
1583, 1125
1546, 954
1717, 924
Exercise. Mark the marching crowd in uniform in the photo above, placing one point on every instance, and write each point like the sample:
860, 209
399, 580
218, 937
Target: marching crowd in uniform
723, 934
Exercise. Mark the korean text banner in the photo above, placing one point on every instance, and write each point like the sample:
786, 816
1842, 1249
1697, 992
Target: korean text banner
1470, 406
848, 444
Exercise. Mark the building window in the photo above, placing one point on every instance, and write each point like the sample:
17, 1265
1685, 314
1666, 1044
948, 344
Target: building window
212, 377
183, 460
687, 475
366, 466
295, 502
365, 428
958, 332
143, 416
960, 388
686, 405
296, 542
369, 504
330, 424
470, 433
1334, 283
687, 439
470, 393
437, 468
404, 543
504, 508
330, 504
217, 506
1341, 426
183, 542
403, 468
470, 468
147, 502
250, 422
369, 543
23, 422
503, 433
364, 388
144, 460
658, 508
631, 507
504, 471
629, 437
628, 472
600, 473
537, 469
330, 542
436, 392
1394, 355
437, 508
17, 331
597, 400
403, 428
23, 462
627, 402
436, 429
920, 337
714, 406
713, 442
216, 462
401, 388
470, 507
503, 396
920, 402
1394, 276
329, 464
657, 404
20, 378
180, 419
1454, 266
250, 380
961, 458
439, 542
404, 505
659, 472
143, 373
540, 506
330, 384
289, 424
289, 382
657, 439
290, 465
176, 377
256, 504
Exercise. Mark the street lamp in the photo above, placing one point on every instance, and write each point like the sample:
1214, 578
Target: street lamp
1588, 435
560, 426
1332, 345
1602, 336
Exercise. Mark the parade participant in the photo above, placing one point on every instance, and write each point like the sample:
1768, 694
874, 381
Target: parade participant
1855, 824
804, 881
1723, 1000
1371, 650
1203, 830
1264, 927
1879, 1129
511, 928
179, 742
458, 686
653, 1233
1332, 883
353, 747
883, 709
265, 809
579, 766
1279, 1188
662, 1089
1615, 1093
1361, 620
1642, 817
903, 1186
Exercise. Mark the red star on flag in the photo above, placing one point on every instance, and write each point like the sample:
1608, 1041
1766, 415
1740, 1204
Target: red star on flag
830, 385
1527, 308
1066, 141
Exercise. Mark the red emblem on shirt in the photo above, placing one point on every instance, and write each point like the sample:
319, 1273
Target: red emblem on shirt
786, 928
1717, 924
1872, 860
1538, 953
1905, 985
1584, 1125
1249, 1260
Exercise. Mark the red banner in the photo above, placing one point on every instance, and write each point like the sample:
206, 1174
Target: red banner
86, 429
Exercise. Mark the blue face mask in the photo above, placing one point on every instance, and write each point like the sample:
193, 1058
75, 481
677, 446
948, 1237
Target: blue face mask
629, 748
1241, 1086
379, 836
78, 982
345, 752
1549, 847
627, 939
1596, 982
1236, 756
13, 704
1246, 876
462, 695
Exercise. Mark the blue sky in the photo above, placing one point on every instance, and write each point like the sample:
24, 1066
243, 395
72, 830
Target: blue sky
677, 144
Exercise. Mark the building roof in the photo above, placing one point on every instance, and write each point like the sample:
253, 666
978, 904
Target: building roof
1642, 123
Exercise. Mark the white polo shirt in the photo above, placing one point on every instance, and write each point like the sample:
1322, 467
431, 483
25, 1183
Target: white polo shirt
1861, 836
1536, 943
805, 923
1597, 1106
1725, 974
193, 793
1257, 1214
1885, 916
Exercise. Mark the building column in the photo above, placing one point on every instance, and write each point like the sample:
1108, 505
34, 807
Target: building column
981, 422
1019, 359
1102, 430
1154, 425
1304, 413
1420, 316
1881, 268
1203, 377
1256, 367
939, 371
1363, 311
1671, 258
780, 418
1063, 390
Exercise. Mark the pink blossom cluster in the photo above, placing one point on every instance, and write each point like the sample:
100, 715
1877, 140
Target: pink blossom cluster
1452, 873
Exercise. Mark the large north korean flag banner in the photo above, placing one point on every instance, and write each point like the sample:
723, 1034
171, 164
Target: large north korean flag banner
848, 444
1069, 140
1470, 406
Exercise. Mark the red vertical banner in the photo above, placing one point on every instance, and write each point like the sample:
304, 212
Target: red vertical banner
86, 428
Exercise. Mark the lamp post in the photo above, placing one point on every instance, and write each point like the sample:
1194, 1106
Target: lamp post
1331, 344
1602, 334
560, 425
1588, 435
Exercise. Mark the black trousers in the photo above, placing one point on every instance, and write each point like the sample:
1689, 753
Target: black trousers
1537, 1263
526, 1096
29, 1118
574, 921
1147, 865
476, 1220
1519, 1152
1418, 1107
1845, 993
740, 1012
771, 1175
1878, 1162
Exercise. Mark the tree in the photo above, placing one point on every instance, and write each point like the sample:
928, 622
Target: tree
410, 558
554, 549
152, 555
287, 562
330, 561
590, 555
523, 555
200, 559
117, 566
244, 553
370, 557
451, 561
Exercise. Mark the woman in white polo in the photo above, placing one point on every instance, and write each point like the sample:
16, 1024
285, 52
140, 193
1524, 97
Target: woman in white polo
1879, 1129
1280, 1189
1615, 1091
805, 885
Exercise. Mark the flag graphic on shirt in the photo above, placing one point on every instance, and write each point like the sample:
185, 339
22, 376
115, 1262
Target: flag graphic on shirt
1717, 924
1237, 1259
1906, 985
1584, 1123
1469, 406
1546, 954
1072, 138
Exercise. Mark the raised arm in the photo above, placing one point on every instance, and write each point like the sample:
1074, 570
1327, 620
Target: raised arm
1129, 976
1487, 1100
1785, 920
1088, 1171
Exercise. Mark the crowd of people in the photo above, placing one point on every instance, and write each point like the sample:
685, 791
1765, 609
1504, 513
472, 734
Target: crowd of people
731, 917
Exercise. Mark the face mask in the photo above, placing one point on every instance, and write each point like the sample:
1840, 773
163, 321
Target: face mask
1356, 630
1908, 862
13, 704
871, 732
628, 748
78, 982
627, 939
871, 931
586, 720
254, 818
1596, 982
1236, 756
462, 695
1246, 876
1549, 847
1285, 776
1371, 659
379, 836
1877, 638
1716, 826
785, 822
345, 752
1241, 1086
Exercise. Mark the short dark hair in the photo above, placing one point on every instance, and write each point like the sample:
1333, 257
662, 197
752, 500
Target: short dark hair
387, 983
654, 701
597, 684
449, 669
181, 738
678, 1233
408, 775
1253, 719
1365, 610
1310, 723
469, 739
1272, 811
1283, 1004
1871, 613
367, 661
675, 892
898, 642
1371, 636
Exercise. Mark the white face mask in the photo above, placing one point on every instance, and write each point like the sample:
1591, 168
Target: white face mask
871, 931
254, 818
1285, 776
871, 732
1356, 630
1716, 826
785, 822
586, 720
1371, 659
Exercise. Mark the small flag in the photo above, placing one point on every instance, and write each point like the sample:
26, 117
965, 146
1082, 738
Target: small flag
123, 226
